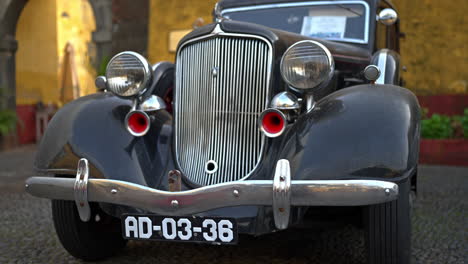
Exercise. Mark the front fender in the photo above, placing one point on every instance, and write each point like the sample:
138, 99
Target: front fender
92, 127
366, 131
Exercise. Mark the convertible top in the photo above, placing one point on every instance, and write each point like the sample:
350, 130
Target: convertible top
238, 3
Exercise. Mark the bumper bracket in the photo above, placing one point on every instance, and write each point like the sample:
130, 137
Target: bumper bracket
80, 190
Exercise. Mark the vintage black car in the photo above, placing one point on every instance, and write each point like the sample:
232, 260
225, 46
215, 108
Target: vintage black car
279, 114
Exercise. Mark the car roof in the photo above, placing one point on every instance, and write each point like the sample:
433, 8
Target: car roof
223, 4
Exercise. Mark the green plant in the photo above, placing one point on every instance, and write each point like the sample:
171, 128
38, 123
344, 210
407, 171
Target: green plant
7, 122
442, 126
464, 121
102, 66
437, 126
460, 125
7, 117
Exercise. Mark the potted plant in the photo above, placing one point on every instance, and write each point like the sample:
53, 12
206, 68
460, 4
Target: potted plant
444, 139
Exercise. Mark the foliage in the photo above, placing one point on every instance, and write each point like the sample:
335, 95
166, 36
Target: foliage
437, 126
460, 124
7, 117
101, 71
7, 121
442, 126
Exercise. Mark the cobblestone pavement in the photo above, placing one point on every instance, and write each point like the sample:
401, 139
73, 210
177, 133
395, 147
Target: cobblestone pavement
439, 229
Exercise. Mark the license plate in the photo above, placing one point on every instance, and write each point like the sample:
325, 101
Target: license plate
182, 229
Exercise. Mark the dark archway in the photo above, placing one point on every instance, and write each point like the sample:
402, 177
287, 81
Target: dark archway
102, 36
10, 11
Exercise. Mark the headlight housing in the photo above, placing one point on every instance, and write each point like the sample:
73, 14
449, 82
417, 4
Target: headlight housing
128, 74
307, 64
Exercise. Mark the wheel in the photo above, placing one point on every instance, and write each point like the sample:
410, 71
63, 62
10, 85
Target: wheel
96, 239
388, 229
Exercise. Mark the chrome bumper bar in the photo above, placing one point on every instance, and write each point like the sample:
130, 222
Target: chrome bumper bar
280, 193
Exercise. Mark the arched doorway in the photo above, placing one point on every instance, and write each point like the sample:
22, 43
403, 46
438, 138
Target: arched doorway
10, 13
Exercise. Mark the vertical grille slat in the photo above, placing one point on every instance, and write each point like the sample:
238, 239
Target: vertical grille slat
216, 114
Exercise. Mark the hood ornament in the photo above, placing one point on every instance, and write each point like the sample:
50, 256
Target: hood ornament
217, 30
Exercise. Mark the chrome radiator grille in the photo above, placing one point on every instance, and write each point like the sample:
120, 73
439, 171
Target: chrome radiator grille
222, 86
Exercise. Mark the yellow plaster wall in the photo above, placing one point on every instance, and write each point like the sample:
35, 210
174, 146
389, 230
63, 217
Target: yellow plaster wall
75, 22
36, 58
166, 16
44, 28
434, 51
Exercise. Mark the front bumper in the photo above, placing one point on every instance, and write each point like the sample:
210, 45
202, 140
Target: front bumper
280, 193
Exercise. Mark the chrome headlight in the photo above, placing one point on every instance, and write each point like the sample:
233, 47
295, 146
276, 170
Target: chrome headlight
307, 64
128, 74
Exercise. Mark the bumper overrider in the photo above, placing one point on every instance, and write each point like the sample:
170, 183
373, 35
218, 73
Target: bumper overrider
281, 193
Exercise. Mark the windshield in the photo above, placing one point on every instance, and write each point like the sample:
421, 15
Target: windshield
340, 21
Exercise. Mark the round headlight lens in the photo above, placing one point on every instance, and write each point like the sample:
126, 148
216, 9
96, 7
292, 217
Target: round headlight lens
128, 74
307, 64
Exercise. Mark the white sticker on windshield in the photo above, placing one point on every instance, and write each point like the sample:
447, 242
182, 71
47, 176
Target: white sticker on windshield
332, 27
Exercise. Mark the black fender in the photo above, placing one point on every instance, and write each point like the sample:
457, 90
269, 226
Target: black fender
163, 79
92, 127
361, 132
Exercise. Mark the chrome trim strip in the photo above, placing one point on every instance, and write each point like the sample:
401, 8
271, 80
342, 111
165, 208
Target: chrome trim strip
298, 4
223, 145
382, 65
258, 192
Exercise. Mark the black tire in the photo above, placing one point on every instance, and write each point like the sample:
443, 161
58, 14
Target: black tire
89, 241
388, 229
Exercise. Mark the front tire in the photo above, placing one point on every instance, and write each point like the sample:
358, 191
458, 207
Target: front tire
388, 227
97, 239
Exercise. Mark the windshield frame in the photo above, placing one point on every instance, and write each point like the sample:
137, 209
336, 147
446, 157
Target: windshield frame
314, 3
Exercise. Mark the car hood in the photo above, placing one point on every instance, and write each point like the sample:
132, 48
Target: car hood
347, 56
